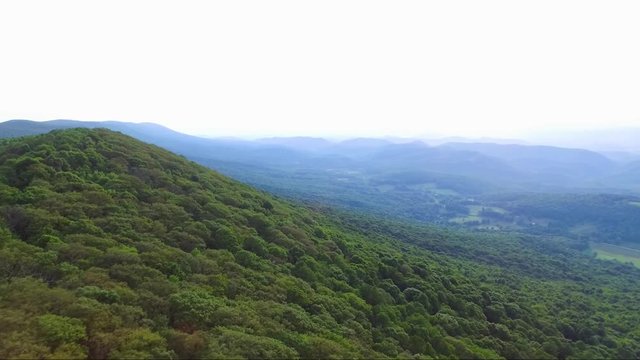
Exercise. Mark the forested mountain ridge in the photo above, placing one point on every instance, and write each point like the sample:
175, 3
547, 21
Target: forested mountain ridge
453, 184
112, 248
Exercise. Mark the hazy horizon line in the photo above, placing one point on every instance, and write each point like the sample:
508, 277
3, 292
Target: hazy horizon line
424, 134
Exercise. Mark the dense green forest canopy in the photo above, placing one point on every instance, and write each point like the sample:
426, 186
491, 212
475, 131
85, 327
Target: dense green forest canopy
112, 248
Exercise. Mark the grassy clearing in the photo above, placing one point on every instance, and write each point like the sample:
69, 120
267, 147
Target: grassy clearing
444, 192
433, 188
465, 219
618, 253
477, 209
385, 188
475, 215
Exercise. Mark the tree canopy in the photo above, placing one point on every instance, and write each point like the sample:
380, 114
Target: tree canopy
112, 248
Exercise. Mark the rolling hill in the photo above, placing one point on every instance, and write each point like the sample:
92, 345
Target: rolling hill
545, 162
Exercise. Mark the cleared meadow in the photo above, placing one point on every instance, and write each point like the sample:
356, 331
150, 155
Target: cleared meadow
619, 253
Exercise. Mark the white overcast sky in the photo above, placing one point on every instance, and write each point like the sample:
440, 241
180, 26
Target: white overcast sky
248, 68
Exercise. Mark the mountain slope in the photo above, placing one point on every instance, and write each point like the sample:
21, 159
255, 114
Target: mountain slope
228, 150
16, 128
419, 156
112, 248
547, 164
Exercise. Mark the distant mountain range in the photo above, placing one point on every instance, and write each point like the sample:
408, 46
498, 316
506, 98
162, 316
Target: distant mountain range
506, 166
605, 140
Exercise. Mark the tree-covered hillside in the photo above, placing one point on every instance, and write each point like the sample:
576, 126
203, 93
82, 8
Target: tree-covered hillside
112, 248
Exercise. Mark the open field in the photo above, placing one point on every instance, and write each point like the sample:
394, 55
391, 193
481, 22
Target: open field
477, 209
465, 219
619, 253
475, 215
